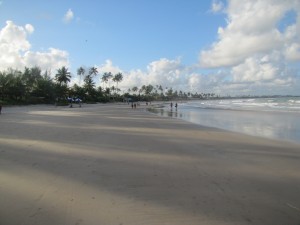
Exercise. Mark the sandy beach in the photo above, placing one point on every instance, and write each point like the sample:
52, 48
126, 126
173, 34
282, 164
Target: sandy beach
108, 164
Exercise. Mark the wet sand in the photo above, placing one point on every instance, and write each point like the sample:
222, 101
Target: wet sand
276, 125
110, 164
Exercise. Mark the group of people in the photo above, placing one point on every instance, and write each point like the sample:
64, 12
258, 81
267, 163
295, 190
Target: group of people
74, 100
133, 105
171, 104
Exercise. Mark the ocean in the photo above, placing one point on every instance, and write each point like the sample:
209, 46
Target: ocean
274, 118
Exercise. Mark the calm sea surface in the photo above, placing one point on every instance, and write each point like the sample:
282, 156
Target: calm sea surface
275, 118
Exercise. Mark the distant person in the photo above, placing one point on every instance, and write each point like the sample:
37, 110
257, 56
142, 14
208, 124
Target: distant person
171, 104
176, 105
132, 105
70, 100
0, 108
78, 100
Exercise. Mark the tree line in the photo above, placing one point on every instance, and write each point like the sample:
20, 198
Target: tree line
32, 86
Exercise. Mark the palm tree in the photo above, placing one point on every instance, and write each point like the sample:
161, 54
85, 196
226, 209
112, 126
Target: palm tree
63, 76
113, 89
134, 90
80, 72
170, 92
148, 89
93, 71
180, 94
118, 78
106, 77
89, 84
142, 89
161, 91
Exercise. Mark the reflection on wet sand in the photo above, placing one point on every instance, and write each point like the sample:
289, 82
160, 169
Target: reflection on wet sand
274, 125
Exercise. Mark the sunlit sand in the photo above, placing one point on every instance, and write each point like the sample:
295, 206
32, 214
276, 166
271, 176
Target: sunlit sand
110, 164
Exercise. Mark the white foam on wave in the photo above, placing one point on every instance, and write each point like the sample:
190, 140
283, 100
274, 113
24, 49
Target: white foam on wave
258, 104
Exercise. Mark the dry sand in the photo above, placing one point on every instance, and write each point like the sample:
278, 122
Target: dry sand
113, 165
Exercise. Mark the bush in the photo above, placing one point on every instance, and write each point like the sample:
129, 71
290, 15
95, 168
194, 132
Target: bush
103, 99
62, 102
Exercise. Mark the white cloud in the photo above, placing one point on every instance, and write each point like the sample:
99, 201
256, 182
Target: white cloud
194, 82
253, 70
254, 53
52, 59
29, 28
165, 72
108, 67
292, 52
234, 48
161, 72
68, 17
15, 50
13, 38
217, 6
164, 65
252, 29
264, 75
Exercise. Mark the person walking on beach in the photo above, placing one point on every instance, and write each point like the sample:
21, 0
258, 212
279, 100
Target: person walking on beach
171, 105
176, 105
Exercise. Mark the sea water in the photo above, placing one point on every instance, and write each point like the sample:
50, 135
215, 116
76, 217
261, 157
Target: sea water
275, 118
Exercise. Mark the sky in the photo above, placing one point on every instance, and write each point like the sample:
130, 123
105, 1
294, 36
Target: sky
233, 47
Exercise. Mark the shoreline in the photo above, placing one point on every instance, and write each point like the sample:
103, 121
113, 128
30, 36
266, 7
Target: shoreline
273, 125
110, 164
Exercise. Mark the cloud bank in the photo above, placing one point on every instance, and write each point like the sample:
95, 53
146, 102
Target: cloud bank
254, 49
252, 29
16, 53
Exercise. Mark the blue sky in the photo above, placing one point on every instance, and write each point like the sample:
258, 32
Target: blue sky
131, 33
224, 47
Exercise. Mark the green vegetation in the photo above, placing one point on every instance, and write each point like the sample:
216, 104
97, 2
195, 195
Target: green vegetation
32, 86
